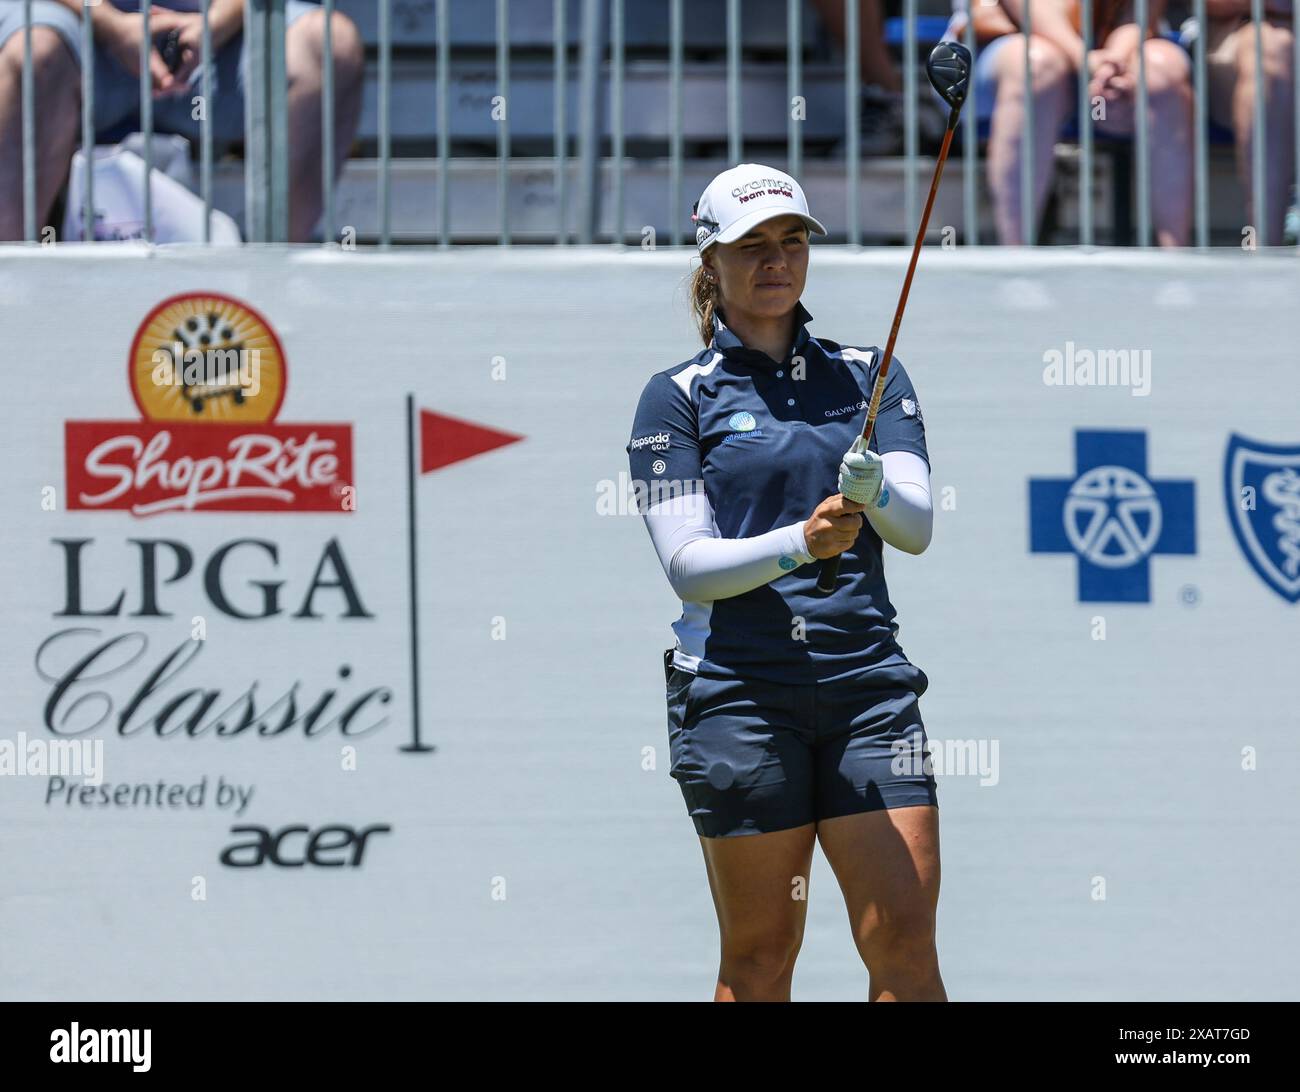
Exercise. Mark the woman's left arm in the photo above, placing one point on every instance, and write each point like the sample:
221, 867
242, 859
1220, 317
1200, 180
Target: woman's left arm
903, 514
895, 486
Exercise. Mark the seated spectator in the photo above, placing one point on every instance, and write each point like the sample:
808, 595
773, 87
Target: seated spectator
118, 28
1230, 68
1054, 56
880, 115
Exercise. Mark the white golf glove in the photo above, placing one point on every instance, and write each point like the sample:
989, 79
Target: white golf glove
862, 474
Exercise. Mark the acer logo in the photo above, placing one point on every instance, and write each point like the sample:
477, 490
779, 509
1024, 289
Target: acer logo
295, 846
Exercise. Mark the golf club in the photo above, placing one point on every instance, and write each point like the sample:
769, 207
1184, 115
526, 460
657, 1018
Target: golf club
949, 68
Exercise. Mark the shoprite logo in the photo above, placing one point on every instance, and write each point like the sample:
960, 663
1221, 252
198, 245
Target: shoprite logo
208, 375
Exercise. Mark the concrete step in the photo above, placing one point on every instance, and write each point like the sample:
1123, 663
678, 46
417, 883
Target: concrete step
533, 198
533, 201
473, 84
473, 23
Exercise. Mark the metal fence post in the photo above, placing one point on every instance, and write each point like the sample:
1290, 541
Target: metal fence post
969, 148
385, 123
794, 77
1028, 204
29, 128
852, 102
617, 34
1143, 130
589, 121
444, 122
256, 148
1200, 133
88, 124
675, 121
503, 125
559, 90
1259, 153
1086, 231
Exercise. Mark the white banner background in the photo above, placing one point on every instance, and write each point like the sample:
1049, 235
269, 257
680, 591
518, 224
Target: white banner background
1119, 758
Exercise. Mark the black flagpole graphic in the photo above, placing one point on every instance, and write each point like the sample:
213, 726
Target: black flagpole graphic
415, 744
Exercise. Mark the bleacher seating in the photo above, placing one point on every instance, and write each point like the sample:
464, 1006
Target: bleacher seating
646, 122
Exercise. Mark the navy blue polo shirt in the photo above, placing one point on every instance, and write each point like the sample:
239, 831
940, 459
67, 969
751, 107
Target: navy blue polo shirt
766, 439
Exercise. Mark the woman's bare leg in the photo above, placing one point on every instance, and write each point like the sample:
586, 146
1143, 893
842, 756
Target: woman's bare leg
887, 865
760, 886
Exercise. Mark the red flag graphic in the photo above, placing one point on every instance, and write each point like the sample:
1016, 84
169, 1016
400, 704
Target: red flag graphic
445, 440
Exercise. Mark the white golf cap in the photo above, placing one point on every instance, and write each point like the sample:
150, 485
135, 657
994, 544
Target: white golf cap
740, 198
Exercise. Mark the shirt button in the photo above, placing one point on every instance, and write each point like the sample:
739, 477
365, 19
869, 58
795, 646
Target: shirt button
790, 402
780, 375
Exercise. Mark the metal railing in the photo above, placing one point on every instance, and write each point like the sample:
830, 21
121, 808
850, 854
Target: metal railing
602, 87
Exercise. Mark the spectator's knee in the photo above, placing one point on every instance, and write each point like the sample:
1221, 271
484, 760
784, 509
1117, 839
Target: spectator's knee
349, 50
1277, 45
1049, 68
345, 42
52, 61
1167, 70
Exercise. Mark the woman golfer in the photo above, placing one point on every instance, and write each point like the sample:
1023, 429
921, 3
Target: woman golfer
792, 715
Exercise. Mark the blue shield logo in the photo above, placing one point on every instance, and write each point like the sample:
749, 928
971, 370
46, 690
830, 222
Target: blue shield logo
1261, 484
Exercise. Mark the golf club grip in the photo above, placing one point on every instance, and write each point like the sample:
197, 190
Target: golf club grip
830, 569
830, 572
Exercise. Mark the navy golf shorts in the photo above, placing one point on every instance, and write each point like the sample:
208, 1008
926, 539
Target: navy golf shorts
752, 757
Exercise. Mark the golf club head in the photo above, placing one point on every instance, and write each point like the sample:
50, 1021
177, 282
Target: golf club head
949, 68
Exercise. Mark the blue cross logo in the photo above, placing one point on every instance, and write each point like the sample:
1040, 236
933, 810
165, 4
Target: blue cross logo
1112, 516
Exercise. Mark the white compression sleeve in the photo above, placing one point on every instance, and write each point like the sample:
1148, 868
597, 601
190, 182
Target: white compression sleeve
702, 567
907, 518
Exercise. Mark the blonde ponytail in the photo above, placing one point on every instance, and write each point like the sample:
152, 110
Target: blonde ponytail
704, 302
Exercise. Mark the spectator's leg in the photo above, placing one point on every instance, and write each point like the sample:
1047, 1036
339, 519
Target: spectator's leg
1169, 118
875, 62
304, 53
1053, 82
1279, 134
57, 79
877, 65
1169, 98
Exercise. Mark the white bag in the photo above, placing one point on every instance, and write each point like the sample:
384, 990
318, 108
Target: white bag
119, 203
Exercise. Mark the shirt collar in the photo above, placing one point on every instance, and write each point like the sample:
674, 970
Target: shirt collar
724, 341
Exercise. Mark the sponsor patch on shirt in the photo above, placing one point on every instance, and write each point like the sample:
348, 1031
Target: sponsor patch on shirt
847, 409
659, 441
742, 421
911, 409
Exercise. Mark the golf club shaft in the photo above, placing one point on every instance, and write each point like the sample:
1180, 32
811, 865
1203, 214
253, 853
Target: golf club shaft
830, 569
879, 388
